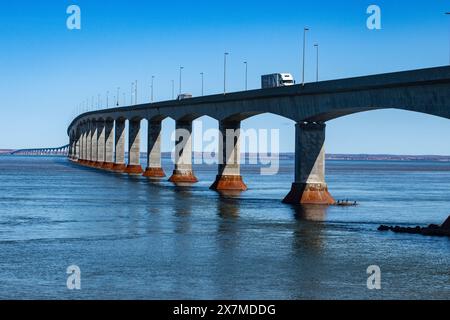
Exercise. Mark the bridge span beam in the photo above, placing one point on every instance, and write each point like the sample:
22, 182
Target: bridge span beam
183, 172
309, 186
229, 176
134, 148
154, 169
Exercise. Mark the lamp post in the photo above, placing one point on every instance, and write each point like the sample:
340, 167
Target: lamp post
317, 61
304, 53
246, 74
173, 89
118, 95
136, 92
202, 76
181, 68
225, 72
448, 14
151, 97
107, 99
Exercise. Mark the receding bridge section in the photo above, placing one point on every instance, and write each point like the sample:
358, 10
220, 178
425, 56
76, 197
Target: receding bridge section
59, 151
98, 138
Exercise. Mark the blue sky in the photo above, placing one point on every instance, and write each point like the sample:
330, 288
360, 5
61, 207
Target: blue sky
48, 70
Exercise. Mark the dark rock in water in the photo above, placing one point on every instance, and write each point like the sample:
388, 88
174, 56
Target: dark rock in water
446, 224
431, 230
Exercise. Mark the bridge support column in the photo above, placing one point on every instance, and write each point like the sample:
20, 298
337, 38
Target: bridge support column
229, 177
85, 135
109, 145
183, 172
94, 144
81, 157
77, 146
309, 186
70, 153
89, 136
100, 144
72, 148
154, 169
134, 148
119, 156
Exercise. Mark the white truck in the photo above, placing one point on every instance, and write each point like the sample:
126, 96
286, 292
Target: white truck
183, 96
276, 80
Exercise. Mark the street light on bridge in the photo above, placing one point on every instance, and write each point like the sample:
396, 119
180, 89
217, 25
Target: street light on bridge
173, 89
202, 75
151, 97
181, 68
118, 95
246, 74
304, 53
448, 13
317, 61
136, 92
225, 72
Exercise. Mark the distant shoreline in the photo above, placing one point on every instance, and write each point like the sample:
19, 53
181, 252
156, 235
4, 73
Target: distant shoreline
330, 156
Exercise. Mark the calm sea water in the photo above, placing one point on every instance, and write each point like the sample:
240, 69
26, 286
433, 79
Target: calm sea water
133, 238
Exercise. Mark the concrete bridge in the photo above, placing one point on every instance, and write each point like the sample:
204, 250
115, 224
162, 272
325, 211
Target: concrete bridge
59, 151
97, 138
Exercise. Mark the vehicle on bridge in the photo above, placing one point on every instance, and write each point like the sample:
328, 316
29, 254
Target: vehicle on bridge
277, 80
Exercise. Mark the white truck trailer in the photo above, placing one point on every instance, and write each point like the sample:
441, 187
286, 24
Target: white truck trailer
276, 80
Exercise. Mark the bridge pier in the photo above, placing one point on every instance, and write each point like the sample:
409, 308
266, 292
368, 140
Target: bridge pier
77, 146
94, 144
309, 186
100, 144
134, 148
71, 142
85, 135
119, 139
183, 172
81, 150
90, 133
154, 169
109, 145
229, 177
